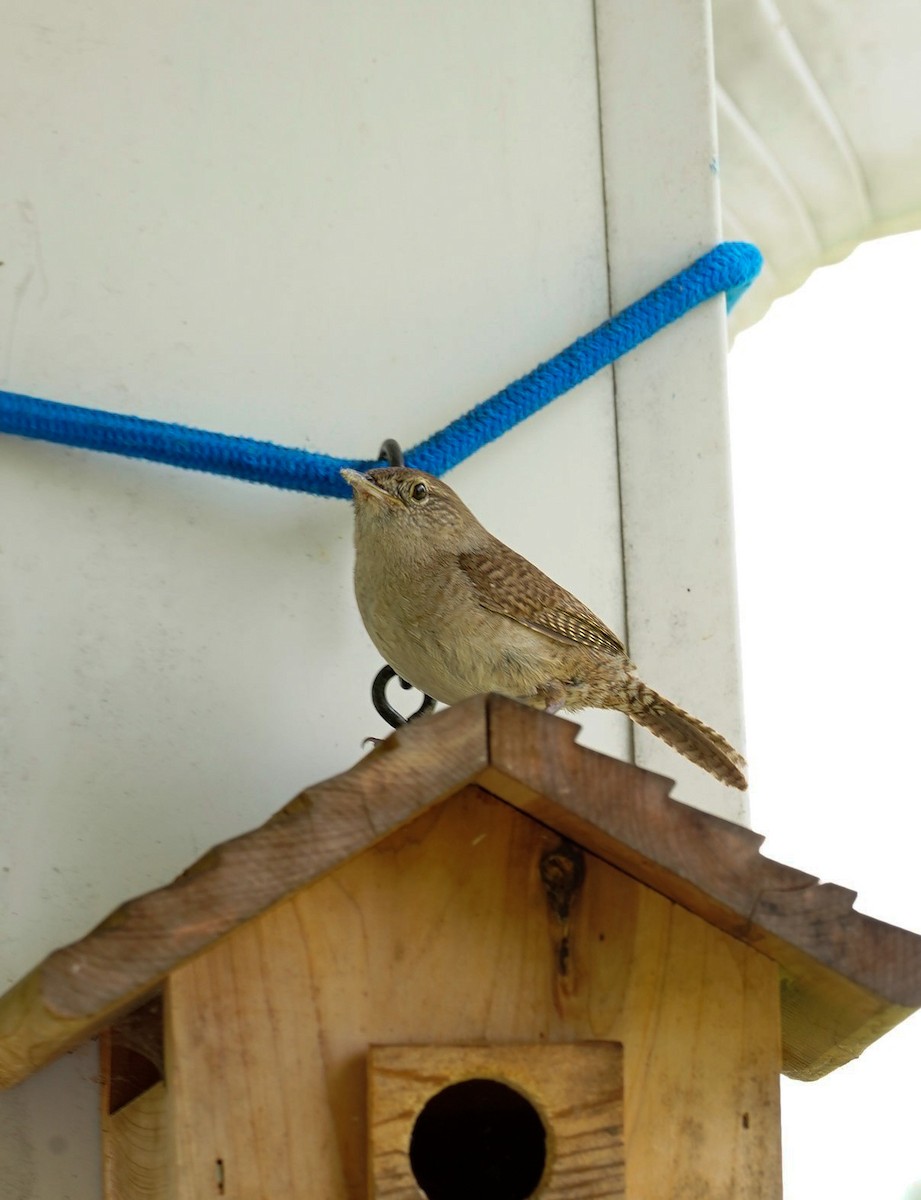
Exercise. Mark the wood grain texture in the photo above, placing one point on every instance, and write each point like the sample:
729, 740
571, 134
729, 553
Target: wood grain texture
443, 934
578, 1091
31, 1034
846, 978
135, 1149
79, 990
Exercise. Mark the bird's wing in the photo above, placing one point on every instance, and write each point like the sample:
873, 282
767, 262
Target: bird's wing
508, 584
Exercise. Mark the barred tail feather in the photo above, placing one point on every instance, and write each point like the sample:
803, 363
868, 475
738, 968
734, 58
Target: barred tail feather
684, 733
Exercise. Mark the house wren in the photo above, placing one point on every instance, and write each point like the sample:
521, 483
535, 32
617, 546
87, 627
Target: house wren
457, 613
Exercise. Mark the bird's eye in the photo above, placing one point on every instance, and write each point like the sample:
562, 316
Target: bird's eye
419, 491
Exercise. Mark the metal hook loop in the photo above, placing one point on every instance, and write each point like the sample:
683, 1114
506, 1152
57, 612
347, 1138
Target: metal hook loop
392, 452
383, 706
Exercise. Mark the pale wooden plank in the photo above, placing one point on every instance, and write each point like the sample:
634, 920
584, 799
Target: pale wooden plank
577, 1090
82, 988
847, 977
32, 1034
443, 934
135, 1148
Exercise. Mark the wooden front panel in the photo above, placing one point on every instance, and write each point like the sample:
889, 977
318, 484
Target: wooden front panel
135, 1148
443, 934
574, 1094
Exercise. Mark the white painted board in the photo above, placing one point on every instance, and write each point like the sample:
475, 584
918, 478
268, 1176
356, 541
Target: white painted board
319, 224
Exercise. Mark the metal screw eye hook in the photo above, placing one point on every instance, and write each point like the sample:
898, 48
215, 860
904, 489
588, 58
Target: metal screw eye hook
392, 454
383, 706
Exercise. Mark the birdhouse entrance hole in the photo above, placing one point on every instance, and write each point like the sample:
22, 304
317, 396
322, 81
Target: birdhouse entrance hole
498, 1122
478, 1138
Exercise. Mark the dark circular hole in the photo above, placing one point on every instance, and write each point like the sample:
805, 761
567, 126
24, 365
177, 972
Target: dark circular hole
478, 1138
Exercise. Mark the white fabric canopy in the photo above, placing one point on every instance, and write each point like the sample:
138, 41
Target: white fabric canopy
819, 114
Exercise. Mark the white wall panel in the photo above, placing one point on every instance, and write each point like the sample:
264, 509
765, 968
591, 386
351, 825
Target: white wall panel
661, 176
320, 223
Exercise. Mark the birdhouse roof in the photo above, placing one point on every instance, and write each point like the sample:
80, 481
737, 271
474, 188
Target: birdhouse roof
845, 978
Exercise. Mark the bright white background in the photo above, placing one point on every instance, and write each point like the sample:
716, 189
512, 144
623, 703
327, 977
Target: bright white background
826, 440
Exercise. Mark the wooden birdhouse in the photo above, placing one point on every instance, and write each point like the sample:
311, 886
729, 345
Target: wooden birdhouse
483, 962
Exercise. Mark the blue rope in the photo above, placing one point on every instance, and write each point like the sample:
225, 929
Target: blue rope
729, 267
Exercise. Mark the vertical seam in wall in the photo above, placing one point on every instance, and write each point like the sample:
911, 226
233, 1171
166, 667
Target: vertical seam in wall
612, 370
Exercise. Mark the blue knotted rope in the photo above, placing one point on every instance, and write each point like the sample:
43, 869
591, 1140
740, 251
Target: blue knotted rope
728, 268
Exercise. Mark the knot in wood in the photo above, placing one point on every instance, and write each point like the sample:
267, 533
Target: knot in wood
562, 871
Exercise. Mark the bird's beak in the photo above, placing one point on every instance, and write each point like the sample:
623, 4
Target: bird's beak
362, 486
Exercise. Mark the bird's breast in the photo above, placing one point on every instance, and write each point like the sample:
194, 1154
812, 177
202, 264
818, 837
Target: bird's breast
428, 625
